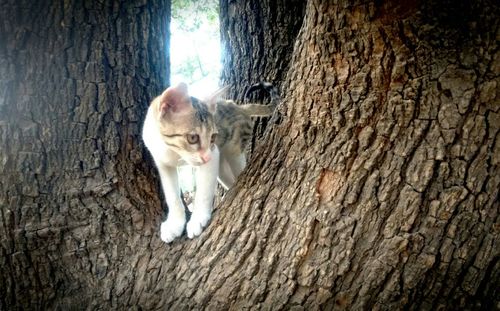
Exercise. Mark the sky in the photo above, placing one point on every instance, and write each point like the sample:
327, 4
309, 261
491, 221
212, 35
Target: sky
200, 50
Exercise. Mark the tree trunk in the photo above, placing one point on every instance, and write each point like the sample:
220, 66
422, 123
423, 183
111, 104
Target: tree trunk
257, 43
257, 39
79, 209
376, 187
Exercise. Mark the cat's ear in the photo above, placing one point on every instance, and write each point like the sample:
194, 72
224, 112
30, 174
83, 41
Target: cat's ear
174, 99
212, 100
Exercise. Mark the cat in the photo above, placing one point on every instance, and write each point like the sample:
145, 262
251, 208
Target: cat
210, 135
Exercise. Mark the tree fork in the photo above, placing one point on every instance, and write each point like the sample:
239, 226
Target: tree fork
376, 187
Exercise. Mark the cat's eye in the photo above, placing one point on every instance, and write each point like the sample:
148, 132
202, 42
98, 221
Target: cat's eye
212, 138
193, 138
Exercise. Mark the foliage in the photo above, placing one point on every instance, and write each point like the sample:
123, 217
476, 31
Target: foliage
192, 14
195, 39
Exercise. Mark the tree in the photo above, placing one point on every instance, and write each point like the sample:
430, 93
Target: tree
257, 41
262, 34
77, 199
375, 187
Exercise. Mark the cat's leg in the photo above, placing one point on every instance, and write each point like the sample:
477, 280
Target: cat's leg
176, 219
206, 183
226, 177
237, 162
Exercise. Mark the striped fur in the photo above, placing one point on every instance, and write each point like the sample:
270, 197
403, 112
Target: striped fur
211, 135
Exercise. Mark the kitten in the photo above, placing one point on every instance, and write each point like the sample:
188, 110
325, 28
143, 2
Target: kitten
210, 135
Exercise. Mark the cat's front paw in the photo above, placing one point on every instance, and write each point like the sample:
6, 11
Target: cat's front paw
197, 222
172, 228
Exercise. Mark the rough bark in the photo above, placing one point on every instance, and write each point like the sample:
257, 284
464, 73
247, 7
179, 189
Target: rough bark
376, 187
78, 202
257, 40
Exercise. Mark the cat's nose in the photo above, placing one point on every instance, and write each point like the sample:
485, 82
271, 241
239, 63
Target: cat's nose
205, 157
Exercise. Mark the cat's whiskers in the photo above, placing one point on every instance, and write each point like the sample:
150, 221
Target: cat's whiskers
215, 122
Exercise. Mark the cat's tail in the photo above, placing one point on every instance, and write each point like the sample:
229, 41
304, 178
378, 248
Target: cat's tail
257, 110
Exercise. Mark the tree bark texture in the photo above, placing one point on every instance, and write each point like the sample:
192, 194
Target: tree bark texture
257, 43
76, 78
377, 186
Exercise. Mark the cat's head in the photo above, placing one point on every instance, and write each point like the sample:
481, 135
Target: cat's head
187, 124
